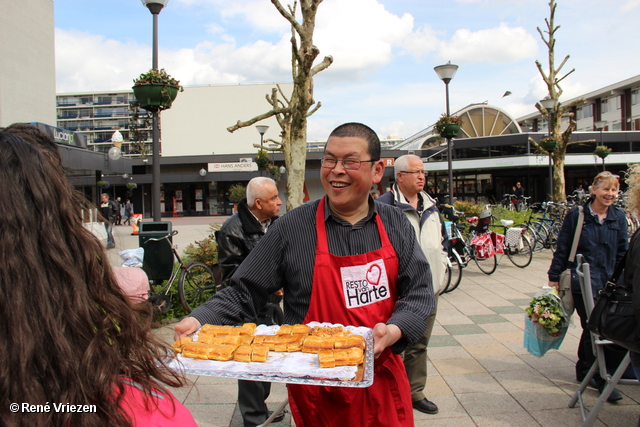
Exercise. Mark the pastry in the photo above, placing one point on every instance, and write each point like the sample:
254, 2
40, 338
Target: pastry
259, 353
300, 330
349, 341
326, 360
285, 330
243, 353
177, 346
222, 352
196, 350
327, 331
314, 344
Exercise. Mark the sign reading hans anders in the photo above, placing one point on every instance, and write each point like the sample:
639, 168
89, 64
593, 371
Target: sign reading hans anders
233, 167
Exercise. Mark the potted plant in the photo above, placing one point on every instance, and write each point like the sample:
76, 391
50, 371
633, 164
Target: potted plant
448, 126
602, 151
237, 192
548, 144
131, 185
103, 184
262, 159
155, 90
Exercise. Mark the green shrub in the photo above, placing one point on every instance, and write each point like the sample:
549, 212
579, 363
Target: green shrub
237, 192
205, 250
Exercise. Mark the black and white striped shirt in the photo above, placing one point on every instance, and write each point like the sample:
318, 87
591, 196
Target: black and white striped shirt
284, 258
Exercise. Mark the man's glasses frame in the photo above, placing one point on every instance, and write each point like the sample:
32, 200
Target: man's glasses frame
417, 173
350, 164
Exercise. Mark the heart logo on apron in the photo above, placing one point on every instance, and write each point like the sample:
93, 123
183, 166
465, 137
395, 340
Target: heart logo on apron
373, 274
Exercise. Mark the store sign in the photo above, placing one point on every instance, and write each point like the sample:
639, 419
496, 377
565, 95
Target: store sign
63, 136
389, 163
233, 167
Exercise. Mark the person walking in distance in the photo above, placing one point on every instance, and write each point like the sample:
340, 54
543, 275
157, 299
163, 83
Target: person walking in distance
109, 211
408, 195
128, 211
237, 237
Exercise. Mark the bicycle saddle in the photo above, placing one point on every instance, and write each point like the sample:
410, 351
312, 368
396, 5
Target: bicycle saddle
506, 222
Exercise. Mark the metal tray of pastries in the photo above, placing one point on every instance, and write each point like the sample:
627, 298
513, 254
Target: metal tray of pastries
316, 354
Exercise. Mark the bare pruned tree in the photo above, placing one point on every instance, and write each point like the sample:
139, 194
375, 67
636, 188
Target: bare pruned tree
560, 110
292, 112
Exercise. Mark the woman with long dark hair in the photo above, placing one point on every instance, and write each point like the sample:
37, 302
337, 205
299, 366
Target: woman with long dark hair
69, 337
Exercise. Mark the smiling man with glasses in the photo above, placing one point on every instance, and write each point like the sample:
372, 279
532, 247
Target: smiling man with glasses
341, 259
409, 196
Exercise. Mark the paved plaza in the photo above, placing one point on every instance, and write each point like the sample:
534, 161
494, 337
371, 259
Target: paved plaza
479, 372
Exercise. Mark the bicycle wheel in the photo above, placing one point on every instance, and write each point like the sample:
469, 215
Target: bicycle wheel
486, 265
446, 280
542, 232
196, 285
455, 273
530, 235
521, 254
552, 238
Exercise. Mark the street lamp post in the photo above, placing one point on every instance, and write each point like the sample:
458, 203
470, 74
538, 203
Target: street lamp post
600, 126
262, 129
446, 73
548, 104
155, 6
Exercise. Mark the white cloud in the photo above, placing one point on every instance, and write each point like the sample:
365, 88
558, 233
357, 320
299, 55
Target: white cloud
499, 45
86, 61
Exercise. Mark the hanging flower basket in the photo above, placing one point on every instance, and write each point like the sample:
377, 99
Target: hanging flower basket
103, 184
155, 97
549, 144
262, 159
602, 151
131, 185
448, 126
156, 90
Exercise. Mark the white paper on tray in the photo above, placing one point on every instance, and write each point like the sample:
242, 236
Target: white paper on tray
294, 367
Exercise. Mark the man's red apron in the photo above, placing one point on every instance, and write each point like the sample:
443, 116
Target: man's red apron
357, 290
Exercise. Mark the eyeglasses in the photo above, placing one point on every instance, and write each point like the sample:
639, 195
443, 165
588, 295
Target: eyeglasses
351, 164
418, 173
606, 175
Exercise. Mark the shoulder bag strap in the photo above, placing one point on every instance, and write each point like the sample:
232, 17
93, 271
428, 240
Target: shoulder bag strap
576, 236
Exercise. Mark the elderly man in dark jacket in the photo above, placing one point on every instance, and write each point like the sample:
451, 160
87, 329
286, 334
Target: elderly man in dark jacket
237, 237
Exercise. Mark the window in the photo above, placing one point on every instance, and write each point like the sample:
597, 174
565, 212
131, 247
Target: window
604, 106
579, 114
587, 111
634, 97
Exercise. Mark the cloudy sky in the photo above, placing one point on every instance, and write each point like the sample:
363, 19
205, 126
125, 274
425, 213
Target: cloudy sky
384, 52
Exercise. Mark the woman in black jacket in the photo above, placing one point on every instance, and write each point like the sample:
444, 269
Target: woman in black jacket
603, 242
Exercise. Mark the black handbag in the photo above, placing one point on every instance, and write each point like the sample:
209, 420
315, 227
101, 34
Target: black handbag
612, 317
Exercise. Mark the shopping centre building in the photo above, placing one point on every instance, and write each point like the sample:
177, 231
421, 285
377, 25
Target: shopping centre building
200, 159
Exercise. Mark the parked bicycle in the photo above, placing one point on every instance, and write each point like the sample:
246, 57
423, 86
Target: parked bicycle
516, 245
196, 283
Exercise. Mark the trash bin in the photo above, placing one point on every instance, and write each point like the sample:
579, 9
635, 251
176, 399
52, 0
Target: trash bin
158, 257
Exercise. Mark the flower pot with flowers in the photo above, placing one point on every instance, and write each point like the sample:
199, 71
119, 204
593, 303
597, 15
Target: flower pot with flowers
548, 144
156, 90
602, 151
131, 185
103, 184
262, 159
448, 126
